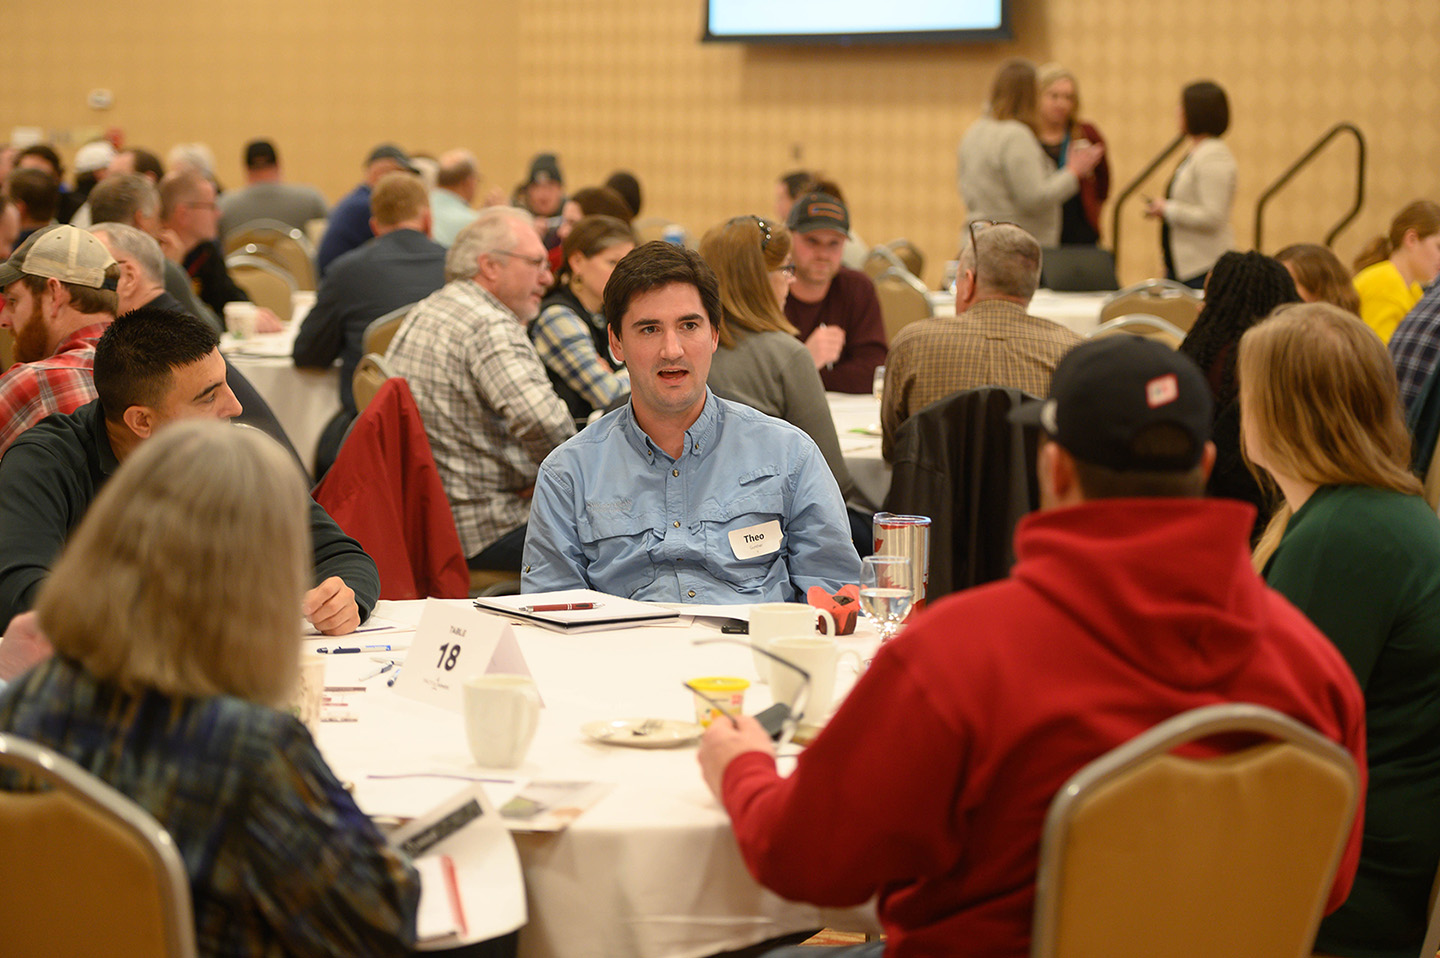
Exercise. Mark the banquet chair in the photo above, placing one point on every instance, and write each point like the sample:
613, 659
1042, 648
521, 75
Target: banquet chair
1077, 269
878, 260
377, 335
370, 374
903, 300
264, 282
1173, 302
286, 246
961, 462
7, 349
1201, 853
908, 254
1140, 324
94, 873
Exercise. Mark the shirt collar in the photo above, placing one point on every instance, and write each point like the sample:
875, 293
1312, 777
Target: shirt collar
701, 435
84, 336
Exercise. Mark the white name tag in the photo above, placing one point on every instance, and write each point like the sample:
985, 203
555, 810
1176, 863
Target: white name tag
761, 540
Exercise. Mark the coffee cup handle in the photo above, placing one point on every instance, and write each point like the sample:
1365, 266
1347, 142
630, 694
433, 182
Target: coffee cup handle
832, 629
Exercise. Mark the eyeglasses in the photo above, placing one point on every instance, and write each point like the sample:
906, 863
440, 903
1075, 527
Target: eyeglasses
538, 262
980, 226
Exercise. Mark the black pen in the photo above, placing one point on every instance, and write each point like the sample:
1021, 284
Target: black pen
341, 649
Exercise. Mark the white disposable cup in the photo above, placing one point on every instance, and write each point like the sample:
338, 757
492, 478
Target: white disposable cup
501, 715
819, 655
301, 302
240, 319
769, 620
309, 691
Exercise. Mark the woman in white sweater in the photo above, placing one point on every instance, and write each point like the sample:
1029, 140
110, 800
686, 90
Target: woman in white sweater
1005, 175
1195, 212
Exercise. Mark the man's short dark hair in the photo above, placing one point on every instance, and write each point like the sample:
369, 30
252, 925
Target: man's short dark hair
655, 265
118, 198
38, 190
135, 359
47, 153
260, 155
147, 163
1158, 440
1206, 109
798, 183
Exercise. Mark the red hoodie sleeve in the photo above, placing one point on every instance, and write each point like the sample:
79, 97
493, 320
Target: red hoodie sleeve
871, 802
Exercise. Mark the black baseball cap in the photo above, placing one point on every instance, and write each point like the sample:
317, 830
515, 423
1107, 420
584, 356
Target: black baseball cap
545, 168
818, 211
259, 154
1105, 391
389, 151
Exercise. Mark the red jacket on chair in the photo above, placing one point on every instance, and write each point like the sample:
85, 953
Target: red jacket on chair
385, 492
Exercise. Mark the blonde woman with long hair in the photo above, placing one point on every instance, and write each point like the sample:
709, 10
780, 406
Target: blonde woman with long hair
175, 618
1355, 547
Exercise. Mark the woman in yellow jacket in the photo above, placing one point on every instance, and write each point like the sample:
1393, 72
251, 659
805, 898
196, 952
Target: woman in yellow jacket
1390, 272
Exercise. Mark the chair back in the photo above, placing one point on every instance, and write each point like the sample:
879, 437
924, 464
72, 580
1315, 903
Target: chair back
903, 300
370, 374
279, 242
1140, 324
7, 349
1147, 852
264, 282
382, 329
1173, 302
94, 873
1078, 269
908, 254
878, 260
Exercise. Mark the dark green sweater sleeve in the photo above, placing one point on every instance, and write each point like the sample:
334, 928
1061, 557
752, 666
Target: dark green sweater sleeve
338, 554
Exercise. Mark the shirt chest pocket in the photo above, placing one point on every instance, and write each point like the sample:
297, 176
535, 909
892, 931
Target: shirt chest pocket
618, 544
760, 499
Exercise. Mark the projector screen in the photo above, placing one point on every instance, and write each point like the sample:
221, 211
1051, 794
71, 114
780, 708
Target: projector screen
857, 21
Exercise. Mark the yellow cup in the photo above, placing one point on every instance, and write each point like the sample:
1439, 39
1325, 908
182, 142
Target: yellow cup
727, 690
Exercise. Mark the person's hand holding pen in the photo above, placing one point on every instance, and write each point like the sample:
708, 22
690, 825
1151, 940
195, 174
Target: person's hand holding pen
825, 345
726, 741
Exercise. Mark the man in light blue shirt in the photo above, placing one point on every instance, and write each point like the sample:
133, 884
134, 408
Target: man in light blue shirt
681, 496
455, 189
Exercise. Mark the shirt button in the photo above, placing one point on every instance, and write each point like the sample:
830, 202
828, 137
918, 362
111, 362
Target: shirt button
691, 593
677, 523
675, 472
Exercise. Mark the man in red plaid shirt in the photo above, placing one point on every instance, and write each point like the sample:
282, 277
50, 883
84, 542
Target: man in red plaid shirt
59, 289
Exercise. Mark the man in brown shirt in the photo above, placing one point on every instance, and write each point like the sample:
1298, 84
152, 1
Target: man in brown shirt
991, 341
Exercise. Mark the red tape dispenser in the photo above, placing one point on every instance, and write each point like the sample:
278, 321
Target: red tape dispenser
844, 605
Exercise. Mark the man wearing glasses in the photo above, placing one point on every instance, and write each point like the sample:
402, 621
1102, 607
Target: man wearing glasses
990, 341
489, 410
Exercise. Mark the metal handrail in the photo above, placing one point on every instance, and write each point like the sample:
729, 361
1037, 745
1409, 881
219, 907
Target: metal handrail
1305, 158
1134, 185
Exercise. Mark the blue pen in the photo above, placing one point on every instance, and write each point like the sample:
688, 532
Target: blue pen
381, 670
394, 677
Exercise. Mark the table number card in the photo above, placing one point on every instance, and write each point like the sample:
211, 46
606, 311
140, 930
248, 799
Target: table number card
452, 643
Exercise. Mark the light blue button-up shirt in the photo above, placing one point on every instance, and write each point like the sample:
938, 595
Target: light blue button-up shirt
613, 512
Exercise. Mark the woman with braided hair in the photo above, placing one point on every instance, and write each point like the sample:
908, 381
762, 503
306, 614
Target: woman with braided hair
1241, 290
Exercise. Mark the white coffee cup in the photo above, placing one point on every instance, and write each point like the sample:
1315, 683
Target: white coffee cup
240, 319
819, 655
770, 620
501, 715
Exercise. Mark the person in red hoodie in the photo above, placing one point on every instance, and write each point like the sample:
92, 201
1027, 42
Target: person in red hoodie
1133, 599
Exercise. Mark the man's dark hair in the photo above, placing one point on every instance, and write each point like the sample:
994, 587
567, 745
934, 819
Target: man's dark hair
38, 190
1206, 109
1158, 440
260, 155
147, 163
653, 266
798, 183
120, 197
135, 359
47, 153
625, 183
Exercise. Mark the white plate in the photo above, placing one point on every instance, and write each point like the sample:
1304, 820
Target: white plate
643, 733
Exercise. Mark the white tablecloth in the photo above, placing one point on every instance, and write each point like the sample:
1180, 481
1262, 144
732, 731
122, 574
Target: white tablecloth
857, 424
650, 871
303, 400
1077, 311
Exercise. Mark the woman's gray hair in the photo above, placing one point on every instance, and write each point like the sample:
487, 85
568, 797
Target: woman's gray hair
187, 573
494, 230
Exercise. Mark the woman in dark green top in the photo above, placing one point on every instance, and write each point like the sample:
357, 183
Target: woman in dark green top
1356, 549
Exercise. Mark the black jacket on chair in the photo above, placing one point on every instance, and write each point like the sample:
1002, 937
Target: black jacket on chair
961, 462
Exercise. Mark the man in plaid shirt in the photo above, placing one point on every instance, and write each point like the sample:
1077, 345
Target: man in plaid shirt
1416, 344
489, 410
59, 289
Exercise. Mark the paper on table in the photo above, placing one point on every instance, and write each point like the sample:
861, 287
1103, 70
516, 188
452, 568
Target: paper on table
375, 623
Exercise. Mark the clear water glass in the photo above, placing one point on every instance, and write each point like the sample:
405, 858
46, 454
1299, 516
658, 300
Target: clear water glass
887, 590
